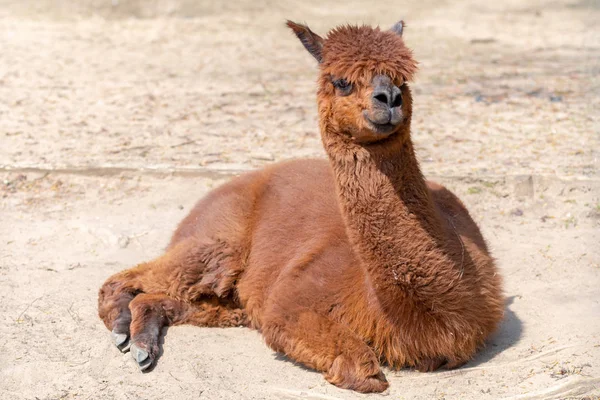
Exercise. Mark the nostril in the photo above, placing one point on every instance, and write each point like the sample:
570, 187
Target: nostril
381, 97
397, 101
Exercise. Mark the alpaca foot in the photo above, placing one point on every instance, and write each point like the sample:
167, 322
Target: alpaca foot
362, 374
113, 309
121, 340
120, 330
144, 350
142, 357
430, 364
150, 313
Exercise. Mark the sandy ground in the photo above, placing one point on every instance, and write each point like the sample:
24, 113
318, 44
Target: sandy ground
115, 117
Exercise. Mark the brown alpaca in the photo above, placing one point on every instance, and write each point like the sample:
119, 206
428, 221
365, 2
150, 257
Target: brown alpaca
340, 264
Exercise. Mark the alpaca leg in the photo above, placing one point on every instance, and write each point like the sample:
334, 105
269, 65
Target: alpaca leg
329, 347
151, 312
430, 364
456, 363
113, 306
191, 270
435, 363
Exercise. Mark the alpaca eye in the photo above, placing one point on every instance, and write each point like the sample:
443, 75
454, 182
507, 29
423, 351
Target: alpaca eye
343, 86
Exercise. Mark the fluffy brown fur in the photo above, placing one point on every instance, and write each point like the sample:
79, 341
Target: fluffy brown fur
340, 264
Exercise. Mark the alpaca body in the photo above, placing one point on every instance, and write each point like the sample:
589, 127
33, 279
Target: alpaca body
298, 258
340, 264
288, 254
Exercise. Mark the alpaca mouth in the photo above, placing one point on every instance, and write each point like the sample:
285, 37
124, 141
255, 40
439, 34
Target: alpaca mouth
385, 128
382, 123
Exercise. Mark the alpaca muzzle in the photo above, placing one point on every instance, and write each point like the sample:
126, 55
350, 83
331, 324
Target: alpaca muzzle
386, 104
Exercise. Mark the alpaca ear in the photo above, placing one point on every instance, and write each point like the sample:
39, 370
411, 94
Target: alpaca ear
311, 41
398, 28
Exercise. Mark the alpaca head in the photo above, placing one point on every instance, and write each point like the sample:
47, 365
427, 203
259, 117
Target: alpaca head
363, 93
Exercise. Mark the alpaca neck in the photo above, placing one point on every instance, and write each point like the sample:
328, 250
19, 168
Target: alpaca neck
390, 217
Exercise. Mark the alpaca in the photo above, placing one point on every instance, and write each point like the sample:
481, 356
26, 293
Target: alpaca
341, 264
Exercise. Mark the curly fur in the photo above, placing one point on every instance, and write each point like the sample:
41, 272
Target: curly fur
357, 52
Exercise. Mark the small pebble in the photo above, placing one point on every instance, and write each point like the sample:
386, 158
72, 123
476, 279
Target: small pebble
517, 212
123, 241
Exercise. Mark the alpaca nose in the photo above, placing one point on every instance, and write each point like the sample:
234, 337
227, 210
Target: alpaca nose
385, 93
385, 102
388, 96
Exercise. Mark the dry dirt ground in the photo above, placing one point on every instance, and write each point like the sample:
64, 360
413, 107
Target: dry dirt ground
116, 116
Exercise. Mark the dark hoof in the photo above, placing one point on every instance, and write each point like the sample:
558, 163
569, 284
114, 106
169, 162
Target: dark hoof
121, 340
142, 357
